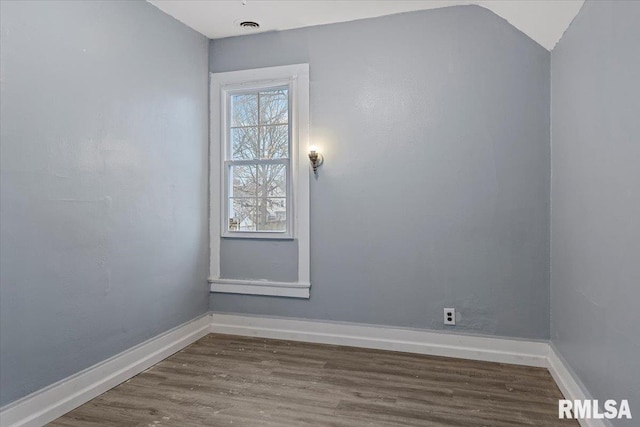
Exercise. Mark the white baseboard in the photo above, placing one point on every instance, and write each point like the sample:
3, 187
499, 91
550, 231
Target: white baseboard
569, 386
57, 399
504, 350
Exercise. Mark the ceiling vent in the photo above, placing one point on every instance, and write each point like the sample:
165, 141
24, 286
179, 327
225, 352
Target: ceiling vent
249, 25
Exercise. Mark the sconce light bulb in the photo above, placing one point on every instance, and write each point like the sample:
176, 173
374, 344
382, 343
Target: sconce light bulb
315, 158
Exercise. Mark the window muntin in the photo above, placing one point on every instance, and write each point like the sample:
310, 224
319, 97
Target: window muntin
258, 164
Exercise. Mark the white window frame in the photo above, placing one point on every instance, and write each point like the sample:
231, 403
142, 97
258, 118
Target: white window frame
221, 85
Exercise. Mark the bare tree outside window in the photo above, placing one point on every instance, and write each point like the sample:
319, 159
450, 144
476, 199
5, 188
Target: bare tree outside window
258, 168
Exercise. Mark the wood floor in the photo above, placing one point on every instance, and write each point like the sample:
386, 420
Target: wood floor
226, 380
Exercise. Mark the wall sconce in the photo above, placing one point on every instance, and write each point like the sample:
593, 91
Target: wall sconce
316, 159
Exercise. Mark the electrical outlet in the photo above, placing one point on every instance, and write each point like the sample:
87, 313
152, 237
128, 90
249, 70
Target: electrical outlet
449, 316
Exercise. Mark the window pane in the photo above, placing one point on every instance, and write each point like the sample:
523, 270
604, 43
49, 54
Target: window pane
275, 141
242, 214
272, 181
274, 106
244, 110
245, 144
244, 181
272, 214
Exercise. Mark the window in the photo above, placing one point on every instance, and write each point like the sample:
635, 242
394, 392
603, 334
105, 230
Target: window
257, 163
259, 170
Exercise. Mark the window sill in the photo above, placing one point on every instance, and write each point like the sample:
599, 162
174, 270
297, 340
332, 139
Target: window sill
261, 287
257, 236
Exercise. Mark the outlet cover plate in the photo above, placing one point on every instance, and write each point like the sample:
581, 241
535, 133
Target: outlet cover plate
449, 316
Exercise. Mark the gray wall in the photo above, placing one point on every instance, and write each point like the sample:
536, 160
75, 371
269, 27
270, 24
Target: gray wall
269, 259
435, 188
595, 215
103, 184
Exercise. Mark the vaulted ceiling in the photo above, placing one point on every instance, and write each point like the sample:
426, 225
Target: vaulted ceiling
543, 20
